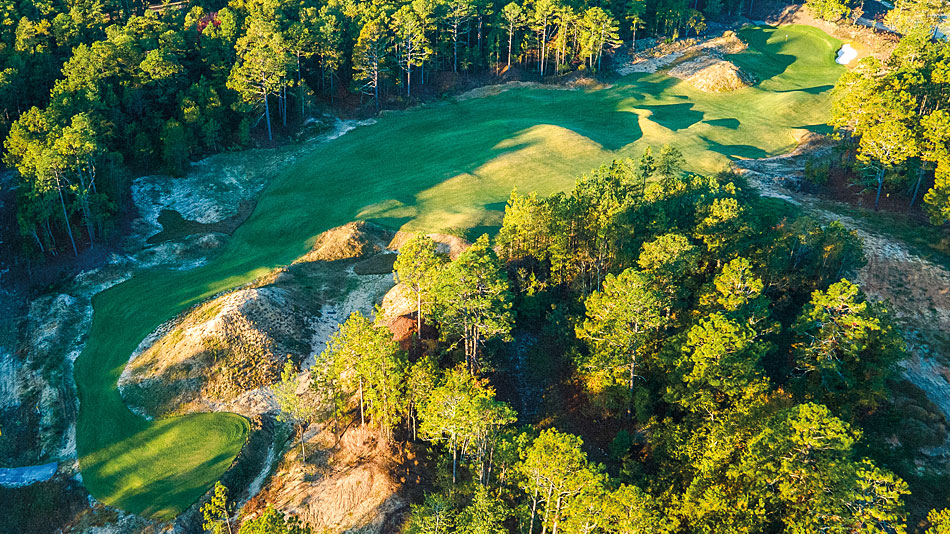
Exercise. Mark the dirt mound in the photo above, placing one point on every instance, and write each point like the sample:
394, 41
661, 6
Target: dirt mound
344, 486
398, 302
353, 240
220, 349
712, 74
727, 43
446, 244
665, 54
492, 90
223, 353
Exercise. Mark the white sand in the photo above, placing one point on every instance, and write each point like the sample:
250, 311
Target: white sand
846, 55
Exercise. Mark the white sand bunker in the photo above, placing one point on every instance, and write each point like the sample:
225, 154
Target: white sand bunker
712, 74
846, 55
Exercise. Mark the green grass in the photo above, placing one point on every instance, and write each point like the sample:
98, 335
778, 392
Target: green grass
449, 165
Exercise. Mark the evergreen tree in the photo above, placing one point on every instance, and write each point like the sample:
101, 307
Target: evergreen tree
473, 300
370, 57
417, 266
464, 414
262, 66
621, 319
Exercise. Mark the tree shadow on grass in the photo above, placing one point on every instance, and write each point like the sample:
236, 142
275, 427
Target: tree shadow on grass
392, 223
762, 58
475, 232
735, 152
821, 128
674, 116
816, 90
732, 124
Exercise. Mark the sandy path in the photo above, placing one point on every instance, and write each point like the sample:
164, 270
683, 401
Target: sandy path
917, 291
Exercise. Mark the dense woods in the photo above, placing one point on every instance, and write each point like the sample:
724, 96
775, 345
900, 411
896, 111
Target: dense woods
705, 345
97, 91
894, 117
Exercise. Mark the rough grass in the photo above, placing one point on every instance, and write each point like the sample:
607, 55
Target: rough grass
450, 165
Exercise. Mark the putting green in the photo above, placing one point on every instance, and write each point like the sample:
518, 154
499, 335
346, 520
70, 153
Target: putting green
450, 165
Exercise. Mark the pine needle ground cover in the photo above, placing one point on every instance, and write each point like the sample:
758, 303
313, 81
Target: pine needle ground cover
445, 166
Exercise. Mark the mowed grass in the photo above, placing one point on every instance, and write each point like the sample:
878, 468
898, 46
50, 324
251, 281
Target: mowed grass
445, 166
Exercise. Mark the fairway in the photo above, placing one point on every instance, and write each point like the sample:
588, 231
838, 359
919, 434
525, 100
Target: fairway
444, 166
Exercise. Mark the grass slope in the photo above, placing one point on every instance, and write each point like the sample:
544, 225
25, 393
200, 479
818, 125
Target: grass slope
450, 165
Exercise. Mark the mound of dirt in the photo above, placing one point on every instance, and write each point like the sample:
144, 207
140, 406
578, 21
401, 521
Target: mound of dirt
712, 74
353, 240
344, 486
223, 353
665, 54
727, 43
231, 344
398, 302
445, 243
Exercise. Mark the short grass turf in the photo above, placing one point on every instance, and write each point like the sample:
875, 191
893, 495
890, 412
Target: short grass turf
444, 166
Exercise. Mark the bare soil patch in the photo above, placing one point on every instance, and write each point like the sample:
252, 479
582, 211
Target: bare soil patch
712, 75
666, 54
223, 354
345, 485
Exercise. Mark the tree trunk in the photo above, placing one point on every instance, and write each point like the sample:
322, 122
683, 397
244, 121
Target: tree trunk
920, 177
69, 228
454, 459
544, 45
376, 85
534, 510
511, 35
633, 376
300, 89
362, 419
880, 185
37, 238
455, 47
86, 215
479, 40
557, 513
547, 509
270, 136
419, 313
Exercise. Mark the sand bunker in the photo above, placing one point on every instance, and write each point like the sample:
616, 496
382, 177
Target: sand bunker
712, 74
846, 55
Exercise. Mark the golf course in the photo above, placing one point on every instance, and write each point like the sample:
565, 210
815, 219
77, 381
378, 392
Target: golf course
443, 166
